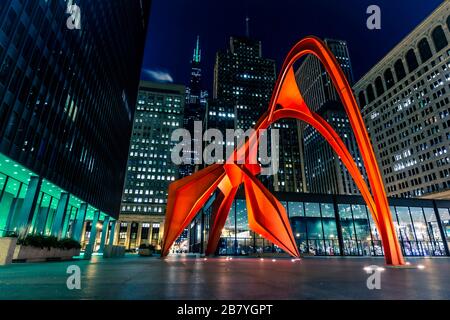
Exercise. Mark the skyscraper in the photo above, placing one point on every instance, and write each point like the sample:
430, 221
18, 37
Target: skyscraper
323, 171
67, 97
243, 83
150, 170
194, 109
404, 101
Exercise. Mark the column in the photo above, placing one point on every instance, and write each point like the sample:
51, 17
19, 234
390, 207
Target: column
41, 219
67, 222
104, 233
138, 235
338, 226
60, 215
91, 246
127, 239
26, 213
14, 208
78, 223
112, 232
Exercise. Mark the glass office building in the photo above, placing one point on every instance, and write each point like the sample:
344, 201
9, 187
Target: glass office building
67, 98
323, 170
333, 225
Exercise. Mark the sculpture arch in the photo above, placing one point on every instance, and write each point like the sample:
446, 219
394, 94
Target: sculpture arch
266, 215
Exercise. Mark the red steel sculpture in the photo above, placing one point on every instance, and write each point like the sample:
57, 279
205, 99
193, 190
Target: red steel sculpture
266, 215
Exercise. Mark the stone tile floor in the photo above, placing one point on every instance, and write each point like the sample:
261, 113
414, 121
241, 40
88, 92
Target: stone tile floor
136, 277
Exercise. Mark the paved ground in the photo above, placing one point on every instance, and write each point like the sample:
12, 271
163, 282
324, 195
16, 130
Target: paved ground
175, 278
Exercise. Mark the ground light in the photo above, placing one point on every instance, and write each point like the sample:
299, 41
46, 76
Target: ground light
408, 265
372, 268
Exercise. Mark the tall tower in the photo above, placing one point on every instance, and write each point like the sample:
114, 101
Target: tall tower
243, 82
323, 171
159, 111
243, 85
194, 110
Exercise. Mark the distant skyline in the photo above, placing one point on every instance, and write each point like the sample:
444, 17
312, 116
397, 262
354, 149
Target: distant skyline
175, 24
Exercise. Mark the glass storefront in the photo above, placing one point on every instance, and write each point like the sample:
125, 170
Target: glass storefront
420, 228
444, 216
15, 181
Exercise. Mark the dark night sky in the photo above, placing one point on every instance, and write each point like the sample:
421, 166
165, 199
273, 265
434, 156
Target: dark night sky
174, 25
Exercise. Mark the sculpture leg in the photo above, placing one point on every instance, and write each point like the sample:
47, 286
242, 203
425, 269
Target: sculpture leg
186, 197
267, 216
221, 209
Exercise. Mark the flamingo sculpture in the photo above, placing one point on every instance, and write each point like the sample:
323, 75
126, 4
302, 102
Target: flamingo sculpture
266, 215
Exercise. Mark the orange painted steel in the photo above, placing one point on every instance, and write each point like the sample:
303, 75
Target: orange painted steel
266, 215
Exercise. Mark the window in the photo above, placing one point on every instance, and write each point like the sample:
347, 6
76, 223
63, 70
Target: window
362, 99
145, 231
424, 50
406, 232
379, 86
399, 70
439, 39
411, 60
242, 228
296, 209
362, 228
370, 93
12, 125
389, 79
348, 230
9, 22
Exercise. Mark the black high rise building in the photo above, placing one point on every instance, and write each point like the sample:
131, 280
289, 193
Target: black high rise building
67, 98
194, 109
243, 83
323, 170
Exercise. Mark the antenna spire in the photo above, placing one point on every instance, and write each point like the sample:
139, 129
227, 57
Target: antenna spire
197, 52
247, 27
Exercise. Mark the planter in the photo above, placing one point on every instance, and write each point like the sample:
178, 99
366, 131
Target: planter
34, 254
145, 252
7, 246
113, 251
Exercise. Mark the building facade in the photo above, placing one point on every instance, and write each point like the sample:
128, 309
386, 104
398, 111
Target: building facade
67, 97
243, 85
405, 101
332, 225
150, 170
323, 171
243, 81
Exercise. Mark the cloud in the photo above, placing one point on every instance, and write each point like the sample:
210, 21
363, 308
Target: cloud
158, 75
